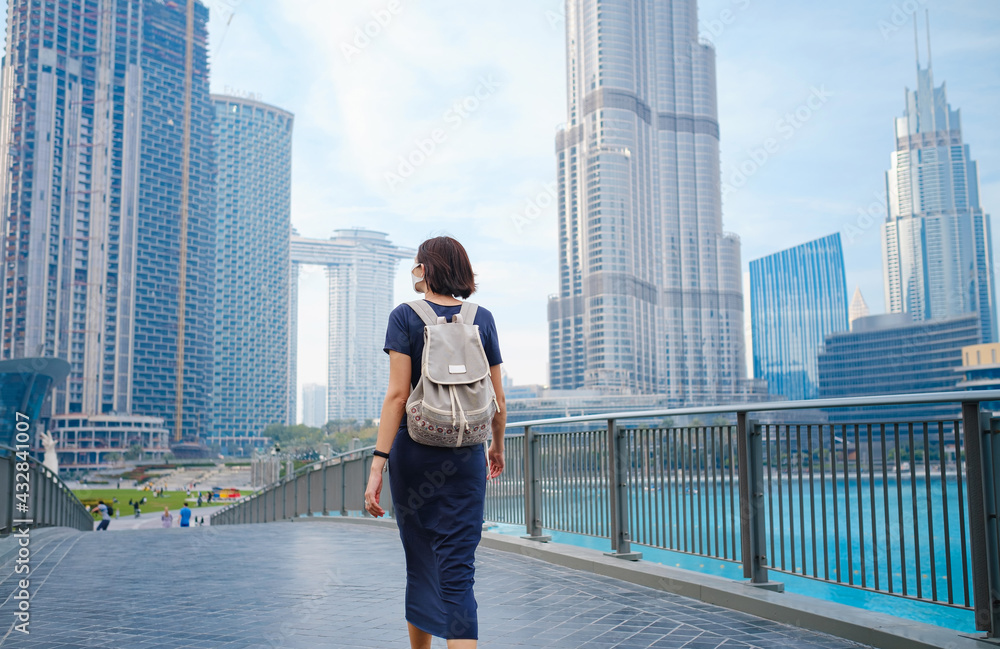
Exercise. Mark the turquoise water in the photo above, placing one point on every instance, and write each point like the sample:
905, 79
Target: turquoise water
880, 511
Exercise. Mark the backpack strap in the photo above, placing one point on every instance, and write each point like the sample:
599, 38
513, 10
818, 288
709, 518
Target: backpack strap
468, 312
425, 312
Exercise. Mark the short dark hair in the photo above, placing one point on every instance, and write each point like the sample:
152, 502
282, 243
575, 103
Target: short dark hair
447, 269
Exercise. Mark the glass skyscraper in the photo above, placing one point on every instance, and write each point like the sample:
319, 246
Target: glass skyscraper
937, 250
797, 298
253, 151
650, 290
94, 101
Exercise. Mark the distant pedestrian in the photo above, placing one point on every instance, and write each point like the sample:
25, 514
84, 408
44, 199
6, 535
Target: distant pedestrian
135, 508
105, 517
185, 516
119, 485
209, 500
199, 499
167, 519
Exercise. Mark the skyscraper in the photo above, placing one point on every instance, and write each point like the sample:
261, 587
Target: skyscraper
937, 251
797, 298
360, 268
106, 127
314, 404
253, 152
650, 297
858, 308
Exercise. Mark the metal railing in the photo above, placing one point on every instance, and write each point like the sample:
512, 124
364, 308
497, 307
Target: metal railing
48, 502
904, 508
335, 485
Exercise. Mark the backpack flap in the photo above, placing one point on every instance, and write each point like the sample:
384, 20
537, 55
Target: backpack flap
456, 358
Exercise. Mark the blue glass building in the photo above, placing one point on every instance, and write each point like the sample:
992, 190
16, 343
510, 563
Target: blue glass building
797, 297
95, 172
253, 150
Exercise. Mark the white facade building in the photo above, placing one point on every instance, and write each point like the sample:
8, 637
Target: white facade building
360, 269
937, 253
314, 404
650, 295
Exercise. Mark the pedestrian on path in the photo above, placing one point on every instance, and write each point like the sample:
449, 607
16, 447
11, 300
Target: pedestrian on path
438, 491
135, 507
105, 517
166, 519
185, 516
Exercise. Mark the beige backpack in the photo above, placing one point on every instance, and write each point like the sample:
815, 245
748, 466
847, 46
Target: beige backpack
453, 403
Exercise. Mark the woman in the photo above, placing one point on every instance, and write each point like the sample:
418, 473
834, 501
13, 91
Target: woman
166, 518
439, 493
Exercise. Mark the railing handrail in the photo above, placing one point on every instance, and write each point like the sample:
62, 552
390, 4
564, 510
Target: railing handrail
955, 396
328, 461
4, 447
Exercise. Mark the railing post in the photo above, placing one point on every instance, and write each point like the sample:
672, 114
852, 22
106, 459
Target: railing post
752, 512
309, 485
325, 467
621, 542
532, 489
980, 466
343, 488
9, 524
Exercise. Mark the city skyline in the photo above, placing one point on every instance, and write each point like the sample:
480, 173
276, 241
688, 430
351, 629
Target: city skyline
829, 176
825, 177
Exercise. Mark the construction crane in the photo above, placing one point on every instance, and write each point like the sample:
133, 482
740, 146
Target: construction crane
185, 187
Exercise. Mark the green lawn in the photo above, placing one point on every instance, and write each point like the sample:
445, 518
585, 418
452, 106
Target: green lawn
172, 499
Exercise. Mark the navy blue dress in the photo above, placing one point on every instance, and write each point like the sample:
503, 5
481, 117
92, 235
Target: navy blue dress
438, 495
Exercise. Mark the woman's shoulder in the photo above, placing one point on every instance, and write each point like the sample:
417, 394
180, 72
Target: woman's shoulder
483, 315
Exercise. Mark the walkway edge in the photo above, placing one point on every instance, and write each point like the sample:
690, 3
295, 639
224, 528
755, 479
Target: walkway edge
866, 627
856, 624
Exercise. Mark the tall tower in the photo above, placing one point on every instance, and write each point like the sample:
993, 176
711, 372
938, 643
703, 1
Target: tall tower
937, 253
650, 290
360, 268
93, 107
253, 152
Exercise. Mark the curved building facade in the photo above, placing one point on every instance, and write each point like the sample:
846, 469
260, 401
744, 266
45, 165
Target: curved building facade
650, 290
253, 148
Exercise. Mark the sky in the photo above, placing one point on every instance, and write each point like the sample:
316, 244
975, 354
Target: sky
373, 81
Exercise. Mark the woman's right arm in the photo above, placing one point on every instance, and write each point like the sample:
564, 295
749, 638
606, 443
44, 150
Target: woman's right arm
392, 414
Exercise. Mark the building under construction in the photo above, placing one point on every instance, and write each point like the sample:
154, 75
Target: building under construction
106, 200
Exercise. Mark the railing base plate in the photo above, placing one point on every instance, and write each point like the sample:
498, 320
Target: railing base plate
982, 637
627, 556
541, 539
776, 586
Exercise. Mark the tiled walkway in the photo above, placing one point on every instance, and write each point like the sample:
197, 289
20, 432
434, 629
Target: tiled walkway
311, 585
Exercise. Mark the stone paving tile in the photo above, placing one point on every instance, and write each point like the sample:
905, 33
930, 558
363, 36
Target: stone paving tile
311, 586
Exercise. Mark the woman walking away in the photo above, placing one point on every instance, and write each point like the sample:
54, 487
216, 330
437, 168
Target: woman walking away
438, 484
166, 519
